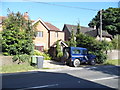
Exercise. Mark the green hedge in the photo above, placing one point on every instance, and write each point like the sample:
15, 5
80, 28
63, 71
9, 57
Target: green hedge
45, 55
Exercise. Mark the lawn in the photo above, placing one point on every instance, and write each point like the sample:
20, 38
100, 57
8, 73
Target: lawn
16, 68
112, 62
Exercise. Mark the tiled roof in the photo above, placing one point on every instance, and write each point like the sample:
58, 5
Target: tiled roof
90, 31
2, 18
74, 27
52, 27
94, 33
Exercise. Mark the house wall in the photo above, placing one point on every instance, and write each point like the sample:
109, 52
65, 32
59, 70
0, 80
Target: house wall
54, 36
43, 41
113, 54
103, 38
67, 33
1, 28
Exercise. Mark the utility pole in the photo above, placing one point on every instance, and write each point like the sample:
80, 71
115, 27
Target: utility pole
101, 25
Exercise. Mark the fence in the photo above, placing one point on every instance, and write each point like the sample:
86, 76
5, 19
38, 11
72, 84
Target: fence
6, 60
113, 54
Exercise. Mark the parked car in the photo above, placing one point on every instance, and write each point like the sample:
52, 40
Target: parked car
74, 56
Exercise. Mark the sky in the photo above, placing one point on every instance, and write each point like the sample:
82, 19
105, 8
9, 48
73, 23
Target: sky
58, 13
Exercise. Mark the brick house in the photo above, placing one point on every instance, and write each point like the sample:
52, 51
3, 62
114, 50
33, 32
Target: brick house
86, 30
47, 35
1, 19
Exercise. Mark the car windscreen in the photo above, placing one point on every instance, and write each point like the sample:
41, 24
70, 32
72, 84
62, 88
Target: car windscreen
84, 52
78, 51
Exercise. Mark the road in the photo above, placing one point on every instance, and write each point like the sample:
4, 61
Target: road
87, 77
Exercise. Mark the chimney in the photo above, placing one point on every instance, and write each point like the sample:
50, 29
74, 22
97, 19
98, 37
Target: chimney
94, 27
26, 16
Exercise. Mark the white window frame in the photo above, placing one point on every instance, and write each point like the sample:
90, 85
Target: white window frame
39, 34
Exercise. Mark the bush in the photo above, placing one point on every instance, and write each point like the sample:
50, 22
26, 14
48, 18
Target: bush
101, 57
21, 58
116, 42
6, 53
24, 57
95, 47
15, 58
45, 55
59, 53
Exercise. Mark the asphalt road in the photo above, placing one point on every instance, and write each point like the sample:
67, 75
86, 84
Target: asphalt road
87, 77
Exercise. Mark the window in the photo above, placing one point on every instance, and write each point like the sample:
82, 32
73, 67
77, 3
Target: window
40, 34
39, 48
56, 34
84, 52
76, 51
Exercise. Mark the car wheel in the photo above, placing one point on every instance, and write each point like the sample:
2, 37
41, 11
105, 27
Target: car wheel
76, 63
92, 62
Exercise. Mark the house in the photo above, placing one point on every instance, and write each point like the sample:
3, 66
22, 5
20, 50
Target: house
46, 33
86, 30
1, 20
96, 33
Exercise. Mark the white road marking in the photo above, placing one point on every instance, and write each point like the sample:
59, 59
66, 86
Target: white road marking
104, 78
39, 87
75, 68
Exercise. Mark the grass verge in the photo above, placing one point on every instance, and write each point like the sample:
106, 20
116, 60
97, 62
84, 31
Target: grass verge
112, 62
16, 68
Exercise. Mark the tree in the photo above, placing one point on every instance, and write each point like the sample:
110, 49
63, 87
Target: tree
110, 20
72, 41
59, 52
78, 28
17, 35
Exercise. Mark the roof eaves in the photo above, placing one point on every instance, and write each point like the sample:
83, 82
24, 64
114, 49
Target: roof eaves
41, 22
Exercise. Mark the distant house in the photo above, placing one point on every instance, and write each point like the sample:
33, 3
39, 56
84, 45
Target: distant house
86, 30
1, 20
46, 33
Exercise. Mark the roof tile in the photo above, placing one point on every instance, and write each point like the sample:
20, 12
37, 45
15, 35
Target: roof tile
52, 27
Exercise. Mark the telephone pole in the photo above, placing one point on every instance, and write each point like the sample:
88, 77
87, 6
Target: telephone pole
101, 25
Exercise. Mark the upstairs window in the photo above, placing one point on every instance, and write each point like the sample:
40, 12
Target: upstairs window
56, 34
39, 34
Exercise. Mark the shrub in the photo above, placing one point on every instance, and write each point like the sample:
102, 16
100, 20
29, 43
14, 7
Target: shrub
15, 58
116, 42
95, 47
24, 57
45, 55
21, 58
6, 53
59, 53
101, 57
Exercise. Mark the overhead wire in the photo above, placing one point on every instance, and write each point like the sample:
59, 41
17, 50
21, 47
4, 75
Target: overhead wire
53, 4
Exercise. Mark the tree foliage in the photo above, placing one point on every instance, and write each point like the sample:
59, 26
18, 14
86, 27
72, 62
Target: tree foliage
110, 20
116, 42
78, 28
95, 47
17, 35
72, 41
59, 52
